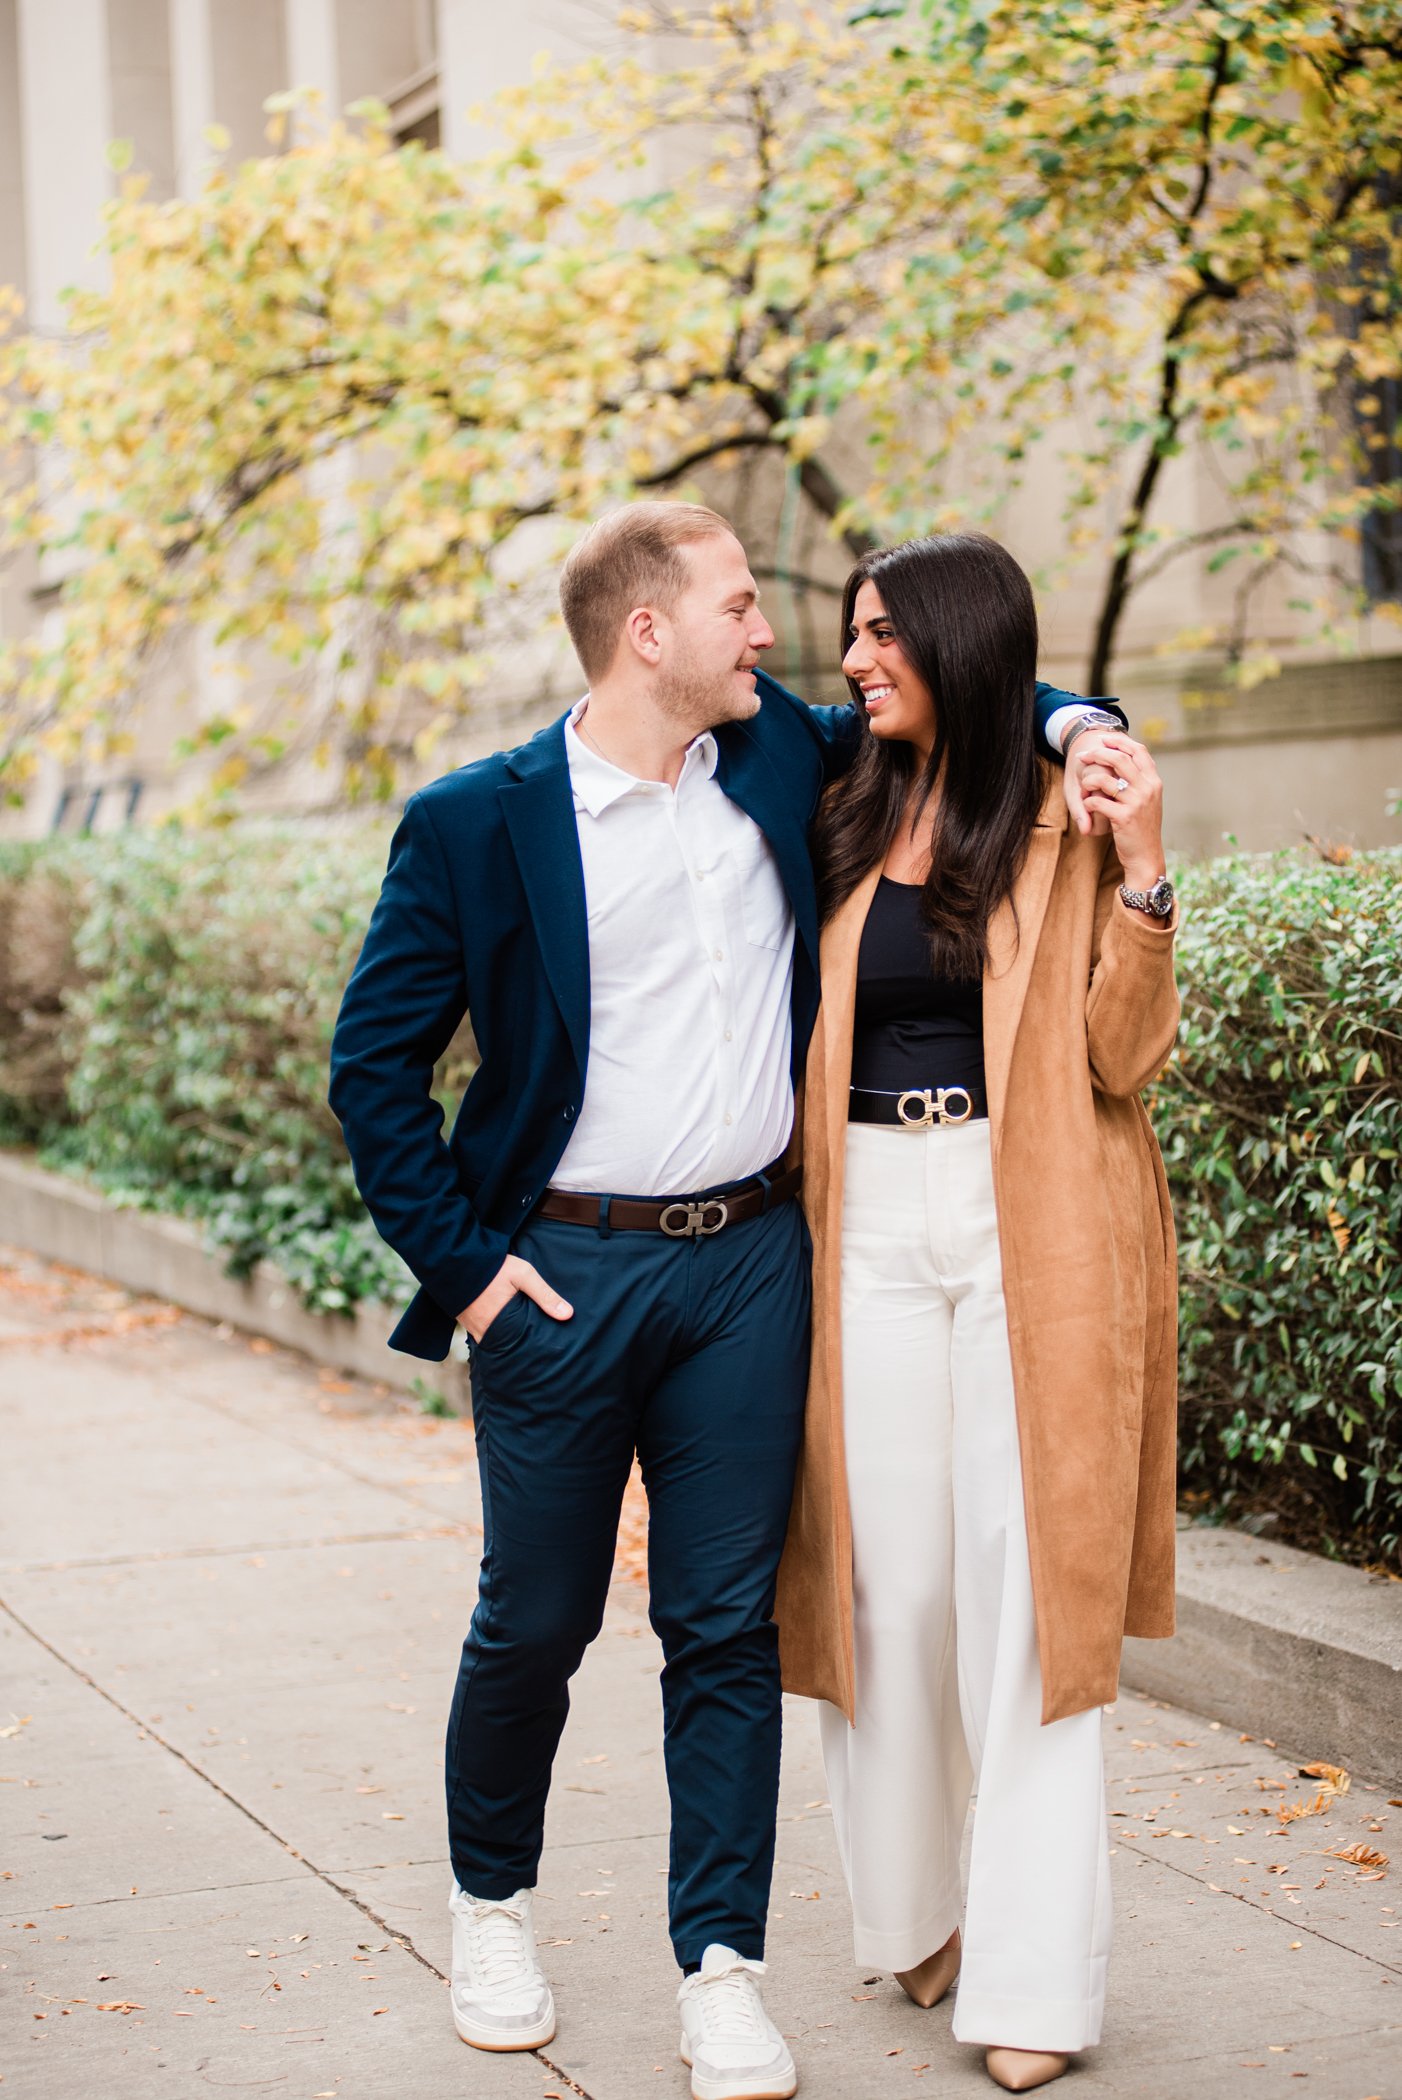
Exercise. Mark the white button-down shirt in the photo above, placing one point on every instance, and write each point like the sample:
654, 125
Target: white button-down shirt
690, 974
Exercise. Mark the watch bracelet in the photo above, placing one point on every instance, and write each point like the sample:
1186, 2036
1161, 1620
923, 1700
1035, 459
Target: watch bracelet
1089, 718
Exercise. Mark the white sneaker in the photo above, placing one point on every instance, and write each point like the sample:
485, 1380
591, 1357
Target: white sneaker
733, 2047
501, 1999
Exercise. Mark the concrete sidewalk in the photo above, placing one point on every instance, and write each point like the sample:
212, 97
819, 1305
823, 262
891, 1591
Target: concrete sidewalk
234, 1593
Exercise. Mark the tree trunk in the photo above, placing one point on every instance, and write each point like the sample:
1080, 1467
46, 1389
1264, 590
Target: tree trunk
1120, 582
827, 499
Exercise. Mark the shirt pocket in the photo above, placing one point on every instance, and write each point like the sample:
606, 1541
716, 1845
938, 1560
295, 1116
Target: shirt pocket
764, 904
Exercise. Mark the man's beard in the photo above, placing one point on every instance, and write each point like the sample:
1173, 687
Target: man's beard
697, 699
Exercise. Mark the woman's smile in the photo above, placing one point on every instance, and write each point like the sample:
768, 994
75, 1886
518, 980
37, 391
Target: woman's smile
895, 698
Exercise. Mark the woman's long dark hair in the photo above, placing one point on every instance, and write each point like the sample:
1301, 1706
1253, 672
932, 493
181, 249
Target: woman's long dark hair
963, 613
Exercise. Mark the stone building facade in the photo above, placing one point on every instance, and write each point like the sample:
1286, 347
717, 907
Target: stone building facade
1317, 751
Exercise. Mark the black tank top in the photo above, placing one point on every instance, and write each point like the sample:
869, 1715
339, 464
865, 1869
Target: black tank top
912, 1029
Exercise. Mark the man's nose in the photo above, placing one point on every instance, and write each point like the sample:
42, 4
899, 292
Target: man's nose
761, 635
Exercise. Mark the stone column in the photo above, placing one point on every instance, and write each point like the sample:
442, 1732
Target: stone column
313, 52
65, 127
476, 57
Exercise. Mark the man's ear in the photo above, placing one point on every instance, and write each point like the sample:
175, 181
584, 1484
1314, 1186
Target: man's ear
640, 633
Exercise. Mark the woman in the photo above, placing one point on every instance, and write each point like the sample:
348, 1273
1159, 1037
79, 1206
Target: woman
986, 1499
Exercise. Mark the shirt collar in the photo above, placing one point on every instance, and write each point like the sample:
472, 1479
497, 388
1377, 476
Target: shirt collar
598, 784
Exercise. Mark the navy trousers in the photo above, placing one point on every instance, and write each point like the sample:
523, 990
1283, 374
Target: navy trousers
694, 1354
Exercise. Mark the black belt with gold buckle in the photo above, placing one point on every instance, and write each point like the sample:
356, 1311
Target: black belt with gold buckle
918, 1108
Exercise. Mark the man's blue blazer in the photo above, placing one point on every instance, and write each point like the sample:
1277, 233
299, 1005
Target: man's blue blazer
482, 912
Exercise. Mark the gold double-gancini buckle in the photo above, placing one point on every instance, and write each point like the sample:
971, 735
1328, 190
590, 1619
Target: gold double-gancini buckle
694, 1220
934, 1106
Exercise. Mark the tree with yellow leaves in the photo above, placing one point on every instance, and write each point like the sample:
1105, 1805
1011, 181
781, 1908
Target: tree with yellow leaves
893, 254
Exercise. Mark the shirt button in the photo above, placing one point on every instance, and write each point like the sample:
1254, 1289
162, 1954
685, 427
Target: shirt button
720, 954
728, 1117
730, 1035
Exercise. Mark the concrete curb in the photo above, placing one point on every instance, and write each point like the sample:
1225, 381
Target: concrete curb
66, 1221
1286, 1645
1279, 1643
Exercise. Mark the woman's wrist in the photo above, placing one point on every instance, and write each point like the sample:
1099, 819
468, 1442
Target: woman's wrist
1143, 874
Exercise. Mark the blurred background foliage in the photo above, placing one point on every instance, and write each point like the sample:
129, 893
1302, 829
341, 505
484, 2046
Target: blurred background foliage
166, 1007
336, 405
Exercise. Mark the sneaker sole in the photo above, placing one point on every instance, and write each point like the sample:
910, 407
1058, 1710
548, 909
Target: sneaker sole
758, 2086
492, 2039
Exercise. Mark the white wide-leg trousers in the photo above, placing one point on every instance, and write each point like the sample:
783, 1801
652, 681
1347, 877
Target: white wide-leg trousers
948, 1685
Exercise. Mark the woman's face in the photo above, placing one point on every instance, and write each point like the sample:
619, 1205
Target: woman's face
900, 706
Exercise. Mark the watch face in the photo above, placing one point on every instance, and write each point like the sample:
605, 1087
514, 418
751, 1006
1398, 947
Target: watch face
1161, 897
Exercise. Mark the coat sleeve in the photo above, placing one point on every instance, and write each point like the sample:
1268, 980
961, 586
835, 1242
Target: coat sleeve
1132, 1004
406, 996
838, 730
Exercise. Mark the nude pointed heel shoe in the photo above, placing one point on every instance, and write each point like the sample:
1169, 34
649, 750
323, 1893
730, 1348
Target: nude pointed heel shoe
928, 1982
1018, 2070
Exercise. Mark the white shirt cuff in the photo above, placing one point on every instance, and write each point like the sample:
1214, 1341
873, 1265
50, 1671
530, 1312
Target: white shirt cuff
1059, 721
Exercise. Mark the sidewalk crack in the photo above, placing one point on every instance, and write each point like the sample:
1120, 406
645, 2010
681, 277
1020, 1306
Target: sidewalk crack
327, 1880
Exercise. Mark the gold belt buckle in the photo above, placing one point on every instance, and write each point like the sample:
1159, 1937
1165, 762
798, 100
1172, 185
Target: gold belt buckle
693, 1218
934, 1106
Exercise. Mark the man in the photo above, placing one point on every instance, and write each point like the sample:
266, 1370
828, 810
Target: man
625, 906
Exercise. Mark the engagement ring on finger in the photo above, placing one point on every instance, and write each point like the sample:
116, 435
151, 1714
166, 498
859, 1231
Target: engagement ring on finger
1120, 785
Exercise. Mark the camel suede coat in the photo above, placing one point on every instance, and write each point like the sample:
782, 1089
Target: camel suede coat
1080, 1012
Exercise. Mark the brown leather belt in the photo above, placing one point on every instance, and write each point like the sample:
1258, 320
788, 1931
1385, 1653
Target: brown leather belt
679, 1217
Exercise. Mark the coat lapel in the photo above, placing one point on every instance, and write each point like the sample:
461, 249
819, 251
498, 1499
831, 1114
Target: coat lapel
539, 811
1013, 933
746, 774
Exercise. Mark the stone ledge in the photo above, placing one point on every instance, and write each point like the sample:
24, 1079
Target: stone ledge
1286, 1645
64, 1220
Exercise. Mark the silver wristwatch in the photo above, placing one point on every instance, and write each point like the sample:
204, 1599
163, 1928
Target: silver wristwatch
1158, 901
1091, 718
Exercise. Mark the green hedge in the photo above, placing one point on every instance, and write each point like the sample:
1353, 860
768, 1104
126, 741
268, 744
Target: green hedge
1281, 1122
165, 1010
166, 1005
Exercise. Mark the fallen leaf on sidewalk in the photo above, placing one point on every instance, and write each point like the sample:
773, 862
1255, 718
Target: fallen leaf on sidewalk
1358, 1855
1332, 1776
1292, 1811
122, 2005
20, 1721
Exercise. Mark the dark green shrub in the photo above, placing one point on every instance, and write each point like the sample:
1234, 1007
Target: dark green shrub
199, 992
39, 907
1281, 1123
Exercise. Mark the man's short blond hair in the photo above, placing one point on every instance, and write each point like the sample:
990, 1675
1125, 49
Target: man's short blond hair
631, 557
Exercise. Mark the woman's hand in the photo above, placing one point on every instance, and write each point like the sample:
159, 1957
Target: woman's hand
1123, 787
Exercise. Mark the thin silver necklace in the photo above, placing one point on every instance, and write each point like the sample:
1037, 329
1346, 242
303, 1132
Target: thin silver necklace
584, 725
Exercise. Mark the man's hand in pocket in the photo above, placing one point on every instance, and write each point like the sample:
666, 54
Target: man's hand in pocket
514, 1275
